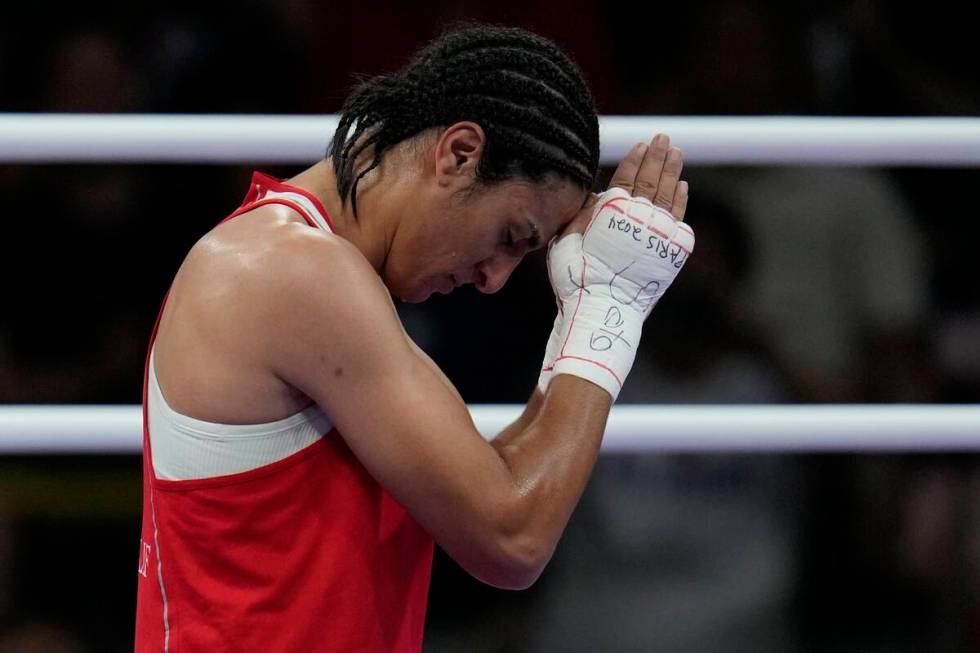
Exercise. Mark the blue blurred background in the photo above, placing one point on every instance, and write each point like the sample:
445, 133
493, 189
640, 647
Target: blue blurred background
811, 284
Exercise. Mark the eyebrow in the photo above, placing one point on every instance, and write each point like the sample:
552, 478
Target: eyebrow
535, 235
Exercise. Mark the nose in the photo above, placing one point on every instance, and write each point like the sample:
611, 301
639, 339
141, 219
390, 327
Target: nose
492, 273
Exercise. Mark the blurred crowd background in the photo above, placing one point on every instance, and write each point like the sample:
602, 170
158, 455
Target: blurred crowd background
810, 284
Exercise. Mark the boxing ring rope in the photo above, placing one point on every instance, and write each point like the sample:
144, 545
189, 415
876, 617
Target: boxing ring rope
868, 428
756, 140
768, 140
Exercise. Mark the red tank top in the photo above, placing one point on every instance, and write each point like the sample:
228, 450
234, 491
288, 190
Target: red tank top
308, 554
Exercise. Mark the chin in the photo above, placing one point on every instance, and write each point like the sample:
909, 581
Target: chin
403, 288
409, 294
416, 298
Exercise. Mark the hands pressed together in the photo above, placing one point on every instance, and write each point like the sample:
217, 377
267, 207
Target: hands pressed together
612, 264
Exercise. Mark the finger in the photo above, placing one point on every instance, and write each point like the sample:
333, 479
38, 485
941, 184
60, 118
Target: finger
668, 178
625, 173
648, 176
679, 205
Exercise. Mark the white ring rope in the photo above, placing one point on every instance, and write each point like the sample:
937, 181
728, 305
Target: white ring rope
756, 140
49, 429
54, 138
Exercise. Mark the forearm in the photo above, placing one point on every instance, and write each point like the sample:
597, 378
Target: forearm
551, 458
529, 414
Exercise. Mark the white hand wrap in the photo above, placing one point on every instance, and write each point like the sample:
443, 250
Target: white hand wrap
606, 282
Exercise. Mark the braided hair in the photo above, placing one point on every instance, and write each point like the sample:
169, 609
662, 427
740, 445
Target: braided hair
530, 99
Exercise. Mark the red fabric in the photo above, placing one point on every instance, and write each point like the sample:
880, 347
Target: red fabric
308, 554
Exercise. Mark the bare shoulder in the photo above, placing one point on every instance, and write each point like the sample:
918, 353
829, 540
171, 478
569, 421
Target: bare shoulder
290, 290
256, 297
318, 272
265, 279
266, 258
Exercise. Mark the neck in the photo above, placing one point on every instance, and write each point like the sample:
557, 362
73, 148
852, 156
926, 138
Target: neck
372, 232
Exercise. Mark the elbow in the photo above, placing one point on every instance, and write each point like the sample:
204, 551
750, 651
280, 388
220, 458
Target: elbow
513, 556
519, 562
507, 541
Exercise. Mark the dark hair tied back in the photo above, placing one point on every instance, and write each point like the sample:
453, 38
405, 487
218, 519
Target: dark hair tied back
530, 99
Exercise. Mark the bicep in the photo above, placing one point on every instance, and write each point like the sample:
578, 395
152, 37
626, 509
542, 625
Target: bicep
399, 415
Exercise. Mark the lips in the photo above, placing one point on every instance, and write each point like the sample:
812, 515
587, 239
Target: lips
448, 283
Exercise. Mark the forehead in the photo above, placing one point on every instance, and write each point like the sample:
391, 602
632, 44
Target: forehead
549, 204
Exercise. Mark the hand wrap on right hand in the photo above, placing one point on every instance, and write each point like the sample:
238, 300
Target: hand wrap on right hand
607, 281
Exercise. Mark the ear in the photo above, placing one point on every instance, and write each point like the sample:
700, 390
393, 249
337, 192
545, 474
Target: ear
458, 152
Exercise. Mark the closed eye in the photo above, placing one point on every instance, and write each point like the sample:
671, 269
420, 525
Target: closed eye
523, 244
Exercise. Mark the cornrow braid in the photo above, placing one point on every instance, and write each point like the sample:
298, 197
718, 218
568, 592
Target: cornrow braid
528, 96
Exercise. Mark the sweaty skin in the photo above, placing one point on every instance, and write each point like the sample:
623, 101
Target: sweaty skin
267, 316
